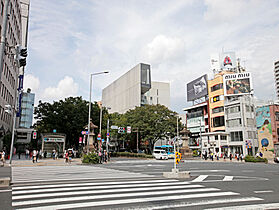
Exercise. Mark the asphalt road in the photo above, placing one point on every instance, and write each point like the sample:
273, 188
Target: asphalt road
249, 179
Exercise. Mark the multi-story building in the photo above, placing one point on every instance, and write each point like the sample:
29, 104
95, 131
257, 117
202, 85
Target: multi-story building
276, 75
267, 118
134, 89
27, 109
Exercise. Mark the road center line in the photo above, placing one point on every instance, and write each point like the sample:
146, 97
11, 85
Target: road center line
264, 191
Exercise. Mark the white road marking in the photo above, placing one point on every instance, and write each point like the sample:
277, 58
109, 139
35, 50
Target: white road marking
93, 184
5, 191
213, 170
135, 200
206, 202
200, 178
118, 195
228, 178
99, 187
264, 191
249, 171
42, 194
250, 207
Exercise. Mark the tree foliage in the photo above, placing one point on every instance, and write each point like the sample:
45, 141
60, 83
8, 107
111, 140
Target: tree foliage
67, 116
154, 122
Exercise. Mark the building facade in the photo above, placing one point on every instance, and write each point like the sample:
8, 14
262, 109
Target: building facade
135, 89
10, 72
276, 76
27, 109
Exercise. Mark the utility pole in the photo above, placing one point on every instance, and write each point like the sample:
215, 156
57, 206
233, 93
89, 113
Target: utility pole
107, 138
3, 35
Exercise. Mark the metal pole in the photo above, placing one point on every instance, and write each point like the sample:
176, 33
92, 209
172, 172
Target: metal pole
107, 138
177, 133
3, 35
13, 134
137, 140
89, 112
174, 149
101, 111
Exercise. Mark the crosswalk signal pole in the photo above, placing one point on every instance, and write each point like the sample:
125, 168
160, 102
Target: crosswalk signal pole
174, 162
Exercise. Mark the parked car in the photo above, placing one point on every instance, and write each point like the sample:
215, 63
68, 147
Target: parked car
160, 154
276, 159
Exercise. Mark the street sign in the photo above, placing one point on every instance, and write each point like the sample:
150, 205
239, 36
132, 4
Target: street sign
108, 134
129, 129
84, 132
99, 135
114, 127
80, 140
121, 130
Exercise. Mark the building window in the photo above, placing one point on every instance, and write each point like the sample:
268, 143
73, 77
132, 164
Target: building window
237, 136
218, 121
235, 109
223, 137
277, 116
217, 87
250, 122
216, 137
218, 109
234, 123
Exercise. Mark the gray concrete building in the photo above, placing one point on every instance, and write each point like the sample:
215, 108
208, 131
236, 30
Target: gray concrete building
134, 89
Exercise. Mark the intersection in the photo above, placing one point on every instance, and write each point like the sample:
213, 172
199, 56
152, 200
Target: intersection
139, 184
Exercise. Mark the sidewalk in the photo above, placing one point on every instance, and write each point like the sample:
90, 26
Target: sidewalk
45, 162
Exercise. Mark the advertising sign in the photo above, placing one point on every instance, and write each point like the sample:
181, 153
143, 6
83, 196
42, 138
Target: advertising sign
227, 60
129, 129
197, 88
237, 84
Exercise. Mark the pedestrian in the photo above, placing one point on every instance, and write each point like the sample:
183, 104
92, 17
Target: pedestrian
237, 156
18, 155
34, 156
205, 155
45, 154
53, 154
100, 157
27, 153
241, 157
67, 157
212, 155
261, 154
217, 156
3, 157
37, 155
230, 156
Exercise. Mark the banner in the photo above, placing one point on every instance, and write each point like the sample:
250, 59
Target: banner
237, 84
197, 88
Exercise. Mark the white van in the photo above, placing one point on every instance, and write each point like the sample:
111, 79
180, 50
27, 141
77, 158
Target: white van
160, 154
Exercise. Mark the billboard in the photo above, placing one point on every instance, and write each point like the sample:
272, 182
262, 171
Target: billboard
237, 84
227, 60
197, 88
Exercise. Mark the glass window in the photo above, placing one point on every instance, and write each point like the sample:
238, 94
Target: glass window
277, 116
218, 109
216, 137
218, 121
235, 109
223, 137
236, 136
217, 87
234, 123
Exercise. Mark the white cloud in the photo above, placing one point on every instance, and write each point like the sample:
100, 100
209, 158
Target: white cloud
65, 88
31, 82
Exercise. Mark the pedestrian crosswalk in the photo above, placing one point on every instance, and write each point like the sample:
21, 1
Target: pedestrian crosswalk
74, 172
128, 193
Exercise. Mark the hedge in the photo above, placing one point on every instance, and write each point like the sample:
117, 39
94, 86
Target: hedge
130, 154
253, 159
91, 158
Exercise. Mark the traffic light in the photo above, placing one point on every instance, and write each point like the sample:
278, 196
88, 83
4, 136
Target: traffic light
121, 130
178, 157
21, 54
35, 135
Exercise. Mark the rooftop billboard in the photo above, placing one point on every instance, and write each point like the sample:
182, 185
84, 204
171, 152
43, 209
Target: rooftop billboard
237, 84
197, 88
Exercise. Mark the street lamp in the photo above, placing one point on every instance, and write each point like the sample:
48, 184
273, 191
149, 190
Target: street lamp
89, 109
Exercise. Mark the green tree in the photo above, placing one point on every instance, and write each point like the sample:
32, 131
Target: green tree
67, 116
153, 121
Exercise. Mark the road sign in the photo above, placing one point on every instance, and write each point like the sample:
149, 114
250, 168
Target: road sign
129, 129
121, 130
99, 135
114, 127
84, 132
108, 134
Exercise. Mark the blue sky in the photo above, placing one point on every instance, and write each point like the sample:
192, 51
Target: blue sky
69, 39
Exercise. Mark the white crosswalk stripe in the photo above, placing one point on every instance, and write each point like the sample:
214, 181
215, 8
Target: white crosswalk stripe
56, 173
130, 193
